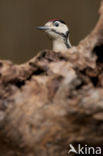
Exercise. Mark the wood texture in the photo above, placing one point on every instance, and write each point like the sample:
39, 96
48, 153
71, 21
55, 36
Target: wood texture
53, 100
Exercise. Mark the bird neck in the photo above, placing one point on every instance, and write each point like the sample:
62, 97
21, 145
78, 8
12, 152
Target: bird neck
61, 44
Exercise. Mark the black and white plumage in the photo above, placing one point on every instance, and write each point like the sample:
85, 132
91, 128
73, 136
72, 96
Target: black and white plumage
59, 33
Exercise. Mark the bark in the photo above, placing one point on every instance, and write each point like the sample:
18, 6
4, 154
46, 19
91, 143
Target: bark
53, 100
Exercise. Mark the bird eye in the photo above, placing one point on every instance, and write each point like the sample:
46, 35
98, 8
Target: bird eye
56, 24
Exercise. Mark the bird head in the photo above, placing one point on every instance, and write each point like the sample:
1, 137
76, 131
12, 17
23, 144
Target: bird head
55, 29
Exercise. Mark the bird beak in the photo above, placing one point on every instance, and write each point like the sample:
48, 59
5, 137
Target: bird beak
42, 28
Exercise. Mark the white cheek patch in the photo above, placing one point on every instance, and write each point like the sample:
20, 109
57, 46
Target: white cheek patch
52, 34
62, 29
57, 31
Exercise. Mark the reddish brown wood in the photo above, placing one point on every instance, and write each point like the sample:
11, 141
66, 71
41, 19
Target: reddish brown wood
53, 100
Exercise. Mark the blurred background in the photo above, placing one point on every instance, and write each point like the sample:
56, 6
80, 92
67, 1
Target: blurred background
19, 39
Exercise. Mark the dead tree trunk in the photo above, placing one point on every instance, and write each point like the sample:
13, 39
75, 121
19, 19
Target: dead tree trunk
53, 100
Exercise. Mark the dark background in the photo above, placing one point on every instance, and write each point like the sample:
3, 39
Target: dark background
20, 41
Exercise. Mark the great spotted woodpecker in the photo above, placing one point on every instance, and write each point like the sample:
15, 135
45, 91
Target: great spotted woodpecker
58, 31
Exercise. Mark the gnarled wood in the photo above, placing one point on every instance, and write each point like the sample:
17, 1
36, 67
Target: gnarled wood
53, 100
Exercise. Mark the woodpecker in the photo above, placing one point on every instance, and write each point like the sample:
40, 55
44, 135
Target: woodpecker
58, 31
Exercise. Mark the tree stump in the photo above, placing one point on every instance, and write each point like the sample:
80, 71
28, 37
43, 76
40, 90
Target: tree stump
53, 100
